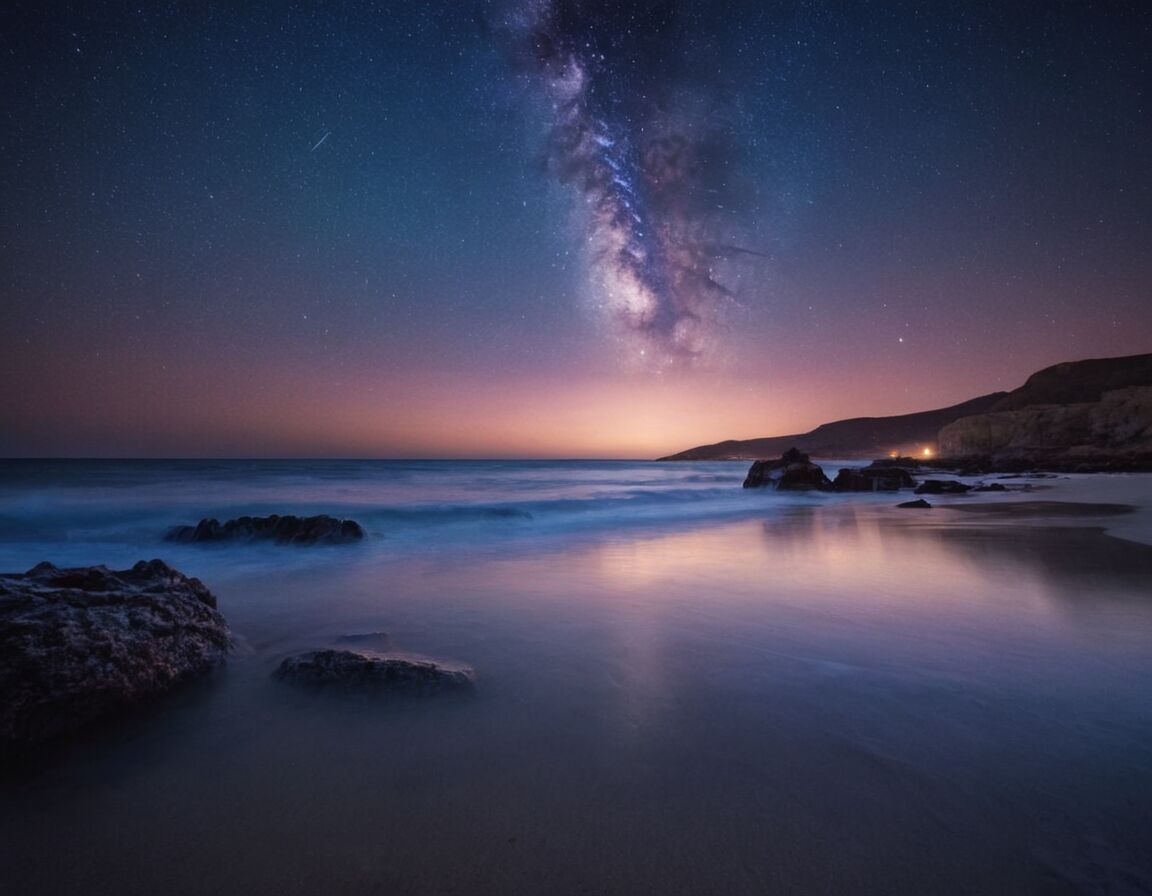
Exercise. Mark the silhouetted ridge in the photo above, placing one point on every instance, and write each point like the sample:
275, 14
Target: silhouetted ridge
855, 437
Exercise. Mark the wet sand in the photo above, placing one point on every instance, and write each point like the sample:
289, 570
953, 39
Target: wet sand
1047, 509
835, 699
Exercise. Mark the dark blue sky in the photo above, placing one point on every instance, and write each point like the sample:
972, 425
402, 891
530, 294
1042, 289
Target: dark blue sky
356, 228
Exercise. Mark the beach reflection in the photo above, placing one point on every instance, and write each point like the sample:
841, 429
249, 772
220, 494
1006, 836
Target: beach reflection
835, 698
859, 587
826, 556
866, 553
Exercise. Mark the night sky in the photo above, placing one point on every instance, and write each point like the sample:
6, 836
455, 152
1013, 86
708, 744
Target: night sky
554, 228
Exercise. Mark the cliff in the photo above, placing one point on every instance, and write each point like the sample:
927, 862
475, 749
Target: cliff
858, 437
1097, 411
1114, 430
1075, 382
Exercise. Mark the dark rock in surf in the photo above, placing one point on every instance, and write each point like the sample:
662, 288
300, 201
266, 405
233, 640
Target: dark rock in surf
942, 487
361, 671
793, 471
76, 644
375, 639
907, 463
321, 529
918, 503
873, 479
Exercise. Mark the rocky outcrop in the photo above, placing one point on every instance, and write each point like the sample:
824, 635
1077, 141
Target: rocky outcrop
1115, 431
942, 487
792, 471
918, 504
371, 639
76, 644
906, 463
280, 529
873, 479
353, 670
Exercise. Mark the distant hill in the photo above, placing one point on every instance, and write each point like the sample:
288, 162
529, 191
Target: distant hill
1070, 383
860, 437
1076, 381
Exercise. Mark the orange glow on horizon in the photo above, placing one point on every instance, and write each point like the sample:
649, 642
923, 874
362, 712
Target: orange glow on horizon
198, 408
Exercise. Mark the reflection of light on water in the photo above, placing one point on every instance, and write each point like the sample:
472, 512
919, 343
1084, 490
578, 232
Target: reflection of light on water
859, 590
638, 669
869, 590
680, 558
826, 554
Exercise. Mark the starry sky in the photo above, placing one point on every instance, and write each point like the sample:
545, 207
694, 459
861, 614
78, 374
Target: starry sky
567, 228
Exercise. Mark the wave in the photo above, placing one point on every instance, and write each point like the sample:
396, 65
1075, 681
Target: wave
99, 511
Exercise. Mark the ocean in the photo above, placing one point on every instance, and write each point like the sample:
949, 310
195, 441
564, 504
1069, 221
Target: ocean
115, 512
682, 687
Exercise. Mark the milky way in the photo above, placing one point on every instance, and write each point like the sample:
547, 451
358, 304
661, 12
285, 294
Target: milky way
644, 146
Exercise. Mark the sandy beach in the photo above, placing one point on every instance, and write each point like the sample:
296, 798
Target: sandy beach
819, 696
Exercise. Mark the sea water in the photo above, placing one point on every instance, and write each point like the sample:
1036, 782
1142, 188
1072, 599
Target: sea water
77, 512
683, 687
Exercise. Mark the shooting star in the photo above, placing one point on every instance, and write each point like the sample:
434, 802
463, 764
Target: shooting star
319, 142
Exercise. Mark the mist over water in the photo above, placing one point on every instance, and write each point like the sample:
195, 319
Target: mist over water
97, 511
683, 687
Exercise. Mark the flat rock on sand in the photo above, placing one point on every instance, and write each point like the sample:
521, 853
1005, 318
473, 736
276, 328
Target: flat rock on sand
78, 643
357, 670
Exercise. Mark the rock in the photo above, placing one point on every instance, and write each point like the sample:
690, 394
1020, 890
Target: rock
793, 471
76, 644
850, 479
873, 479
349, 669
920, 502
280, 529
942, 487
990, 487
377, 639
908, 463
1112, 432
803, 477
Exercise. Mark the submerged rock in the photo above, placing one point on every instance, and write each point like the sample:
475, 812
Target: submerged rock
792, 471
919, 502
349, 669
78, 643
321, 529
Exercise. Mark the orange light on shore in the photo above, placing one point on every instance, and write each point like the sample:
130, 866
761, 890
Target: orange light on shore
927, 452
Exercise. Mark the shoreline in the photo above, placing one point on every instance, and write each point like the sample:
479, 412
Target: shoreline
656, 704
1122, 503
